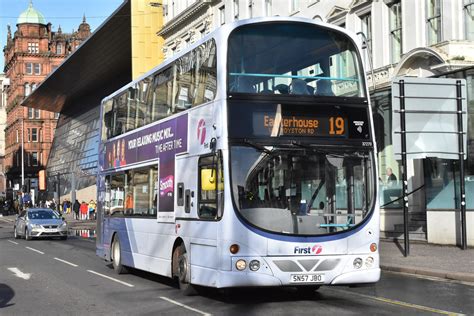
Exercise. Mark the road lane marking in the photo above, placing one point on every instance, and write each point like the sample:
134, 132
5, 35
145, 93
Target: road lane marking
184, 306
66, 262
110, 278
13, 242
399, 303
36, 250
21, 275
6, 220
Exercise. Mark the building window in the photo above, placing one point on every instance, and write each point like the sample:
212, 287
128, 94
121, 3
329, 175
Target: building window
469, 19
34, 158
366, 28
27, 89
33, 48
29, 68
250, 8
33, 135
31, 113
268, 7
396, 31
222, 15
236, 9
37, 69
59, 49
56, 115
17, 136
433, 21
37, 113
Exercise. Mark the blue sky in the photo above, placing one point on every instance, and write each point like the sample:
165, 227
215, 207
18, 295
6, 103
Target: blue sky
65, 13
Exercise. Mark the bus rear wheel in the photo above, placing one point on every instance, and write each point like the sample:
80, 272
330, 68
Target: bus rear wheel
116, 256
182, 271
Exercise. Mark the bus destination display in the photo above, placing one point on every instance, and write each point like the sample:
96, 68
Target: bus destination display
291, 125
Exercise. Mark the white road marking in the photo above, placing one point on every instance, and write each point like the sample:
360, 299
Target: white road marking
110, 278
36, 250
21, 275
399, 303
6, 220
66, 262
184, 306
13, 242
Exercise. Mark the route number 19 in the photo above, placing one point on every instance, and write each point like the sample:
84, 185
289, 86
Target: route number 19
336, 125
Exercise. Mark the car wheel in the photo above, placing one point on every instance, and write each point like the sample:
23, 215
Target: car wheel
116, 256
27, 234
15, 233
182, 271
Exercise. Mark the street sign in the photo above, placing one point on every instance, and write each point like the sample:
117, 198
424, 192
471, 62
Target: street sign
431, 118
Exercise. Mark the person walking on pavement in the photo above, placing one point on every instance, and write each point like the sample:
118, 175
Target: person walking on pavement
92, 209
76, 208
84, 210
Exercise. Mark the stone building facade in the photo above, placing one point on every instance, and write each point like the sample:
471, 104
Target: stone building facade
4, 83
416, 38
32, 52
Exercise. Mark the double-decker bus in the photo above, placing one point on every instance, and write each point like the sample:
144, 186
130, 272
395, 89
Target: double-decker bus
248, 159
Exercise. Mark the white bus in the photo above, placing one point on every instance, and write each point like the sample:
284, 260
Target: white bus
248, 159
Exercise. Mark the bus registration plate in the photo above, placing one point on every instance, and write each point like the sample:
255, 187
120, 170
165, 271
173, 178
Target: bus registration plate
307, 278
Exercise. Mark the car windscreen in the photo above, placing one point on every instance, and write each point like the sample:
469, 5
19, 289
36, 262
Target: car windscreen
42, 214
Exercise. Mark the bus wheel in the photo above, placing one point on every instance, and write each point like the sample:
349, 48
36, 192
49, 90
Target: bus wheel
116, 257
183, 272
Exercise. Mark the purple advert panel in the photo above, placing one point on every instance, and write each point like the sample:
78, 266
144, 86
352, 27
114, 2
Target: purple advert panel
162, 141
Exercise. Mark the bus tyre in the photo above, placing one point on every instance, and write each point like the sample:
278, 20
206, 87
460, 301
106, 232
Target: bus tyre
183, 271
116, 257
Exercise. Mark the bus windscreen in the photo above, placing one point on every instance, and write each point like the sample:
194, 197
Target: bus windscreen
293, 58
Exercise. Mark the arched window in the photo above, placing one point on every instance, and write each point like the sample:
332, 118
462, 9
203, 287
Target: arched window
59, 48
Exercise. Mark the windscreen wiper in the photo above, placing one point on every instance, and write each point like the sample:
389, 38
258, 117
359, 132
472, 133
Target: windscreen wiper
256, 146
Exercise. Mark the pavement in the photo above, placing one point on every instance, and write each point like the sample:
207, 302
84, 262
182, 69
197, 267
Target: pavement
440, 261
430, 260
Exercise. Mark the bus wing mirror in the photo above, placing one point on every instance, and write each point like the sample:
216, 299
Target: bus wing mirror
208, 179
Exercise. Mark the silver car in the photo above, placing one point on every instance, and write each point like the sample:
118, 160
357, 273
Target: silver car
40, 222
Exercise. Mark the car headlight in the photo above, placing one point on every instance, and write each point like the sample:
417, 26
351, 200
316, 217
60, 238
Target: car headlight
35, 226
62, 225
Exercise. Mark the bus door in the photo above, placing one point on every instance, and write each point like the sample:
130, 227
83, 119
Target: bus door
186, 187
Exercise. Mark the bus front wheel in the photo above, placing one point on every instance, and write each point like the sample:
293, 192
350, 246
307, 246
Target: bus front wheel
116, 256
182, 271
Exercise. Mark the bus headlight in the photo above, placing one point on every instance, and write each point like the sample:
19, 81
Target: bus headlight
357, 263
254, 265
369, 262
240, 264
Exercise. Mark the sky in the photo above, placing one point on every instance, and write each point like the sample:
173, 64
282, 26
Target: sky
65, 13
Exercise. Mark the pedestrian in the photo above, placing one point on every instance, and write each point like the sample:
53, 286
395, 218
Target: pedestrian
84, 210
92, 209
76, 208
65, 207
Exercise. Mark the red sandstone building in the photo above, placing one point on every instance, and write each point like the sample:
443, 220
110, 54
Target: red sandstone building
31, 54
